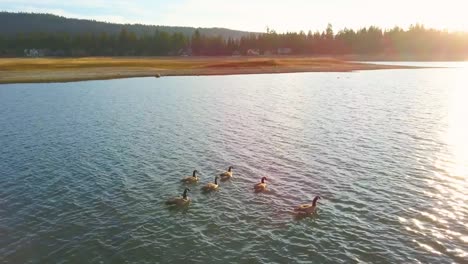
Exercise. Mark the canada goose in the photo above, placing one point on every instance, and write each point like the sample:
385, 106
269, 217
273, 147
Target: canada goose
211, 186
308, 208
227, 174
180, 201
260, 187
191, 179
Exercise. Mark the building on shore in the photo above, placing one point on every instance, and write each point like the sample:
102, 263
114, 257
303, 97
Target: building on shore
253, 52
284, 51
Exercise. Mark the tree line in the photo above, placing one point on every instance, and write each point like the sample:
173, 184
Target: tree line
14, 23
416, 41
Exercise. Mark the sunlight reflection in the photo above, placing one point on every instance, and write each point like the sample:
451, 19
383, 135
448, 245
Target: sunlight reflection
458, 252
428, 248
457, 137
418, 224
434, 218
449, 184
452, 233
437, 234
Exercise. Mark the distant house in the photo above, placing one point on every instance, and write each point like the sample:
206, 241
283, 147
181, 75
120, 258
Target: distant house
185, 52
34, 53
252, 52
31, 53
284, 51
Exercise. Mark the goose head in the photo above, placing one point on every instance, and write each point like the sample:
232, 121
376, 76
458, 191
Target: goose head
184, 195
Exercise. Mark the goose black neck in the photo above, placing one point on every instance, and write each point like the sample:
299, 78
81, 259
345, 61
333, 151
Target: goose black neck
194, 173
184, 195
230, 168
263, 180
216, 180
314, 202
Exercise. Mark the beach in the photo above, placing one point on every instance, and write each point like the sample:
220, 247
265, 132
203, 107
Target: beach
35, 70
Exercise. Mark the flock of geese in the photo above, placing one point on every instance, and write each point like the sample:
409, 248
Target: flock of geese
184, 200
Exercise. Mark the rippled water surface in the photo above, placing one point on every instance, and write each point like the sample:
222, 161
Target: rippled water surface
86, 167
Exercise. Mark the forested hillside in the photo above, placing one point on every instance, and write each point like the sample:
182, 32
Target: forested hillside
49, 35
15, 23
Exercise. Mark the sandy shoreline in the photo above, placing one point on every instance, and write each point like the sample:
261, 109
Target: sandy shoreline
35, 70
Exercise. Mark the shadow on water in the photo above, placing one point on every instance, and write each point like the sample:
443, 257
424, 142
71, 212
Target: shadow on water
267, 191
210, 192
178, 208
301, 216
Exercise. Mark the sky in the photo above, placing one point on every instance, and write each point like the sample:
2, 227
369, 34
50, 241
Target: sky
257, 15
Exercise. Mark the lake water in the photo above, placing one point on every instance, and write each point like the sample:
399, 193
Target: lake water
86, 168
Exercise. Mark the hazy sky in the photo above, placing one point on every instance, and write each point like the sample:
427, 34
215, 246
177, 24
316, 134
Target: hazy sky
256, 15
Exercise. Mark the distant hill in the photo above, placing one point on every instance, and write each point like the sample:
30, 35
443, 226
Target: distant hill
14, 23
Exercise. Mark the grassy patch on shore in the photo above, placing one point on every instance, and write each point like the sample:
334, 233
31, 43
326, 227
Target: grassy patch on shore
15, 64
17, 70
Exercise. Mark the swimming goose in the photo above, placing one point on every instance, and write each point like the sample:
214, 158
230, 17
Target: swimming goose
260, 187
227, 174
180, 201
191, 179
308, 208
211, 186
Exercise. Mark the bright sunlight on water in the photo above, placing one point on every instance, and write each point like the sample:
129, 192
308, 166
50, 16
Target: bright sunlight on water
86, 168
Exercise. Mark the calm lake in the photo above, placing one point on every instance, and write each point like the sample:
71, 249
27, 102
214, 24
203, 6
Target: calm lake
86, 168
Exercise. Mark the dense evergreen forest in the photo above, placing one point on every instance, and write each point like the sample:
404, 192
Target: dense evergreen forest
14, 23
417, 41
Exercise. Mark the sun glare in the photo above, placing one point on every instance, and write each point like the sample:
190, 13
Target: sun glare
457, 135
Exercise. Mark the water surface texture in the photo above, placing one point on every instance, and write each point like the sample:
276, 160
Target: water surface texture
85, 168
